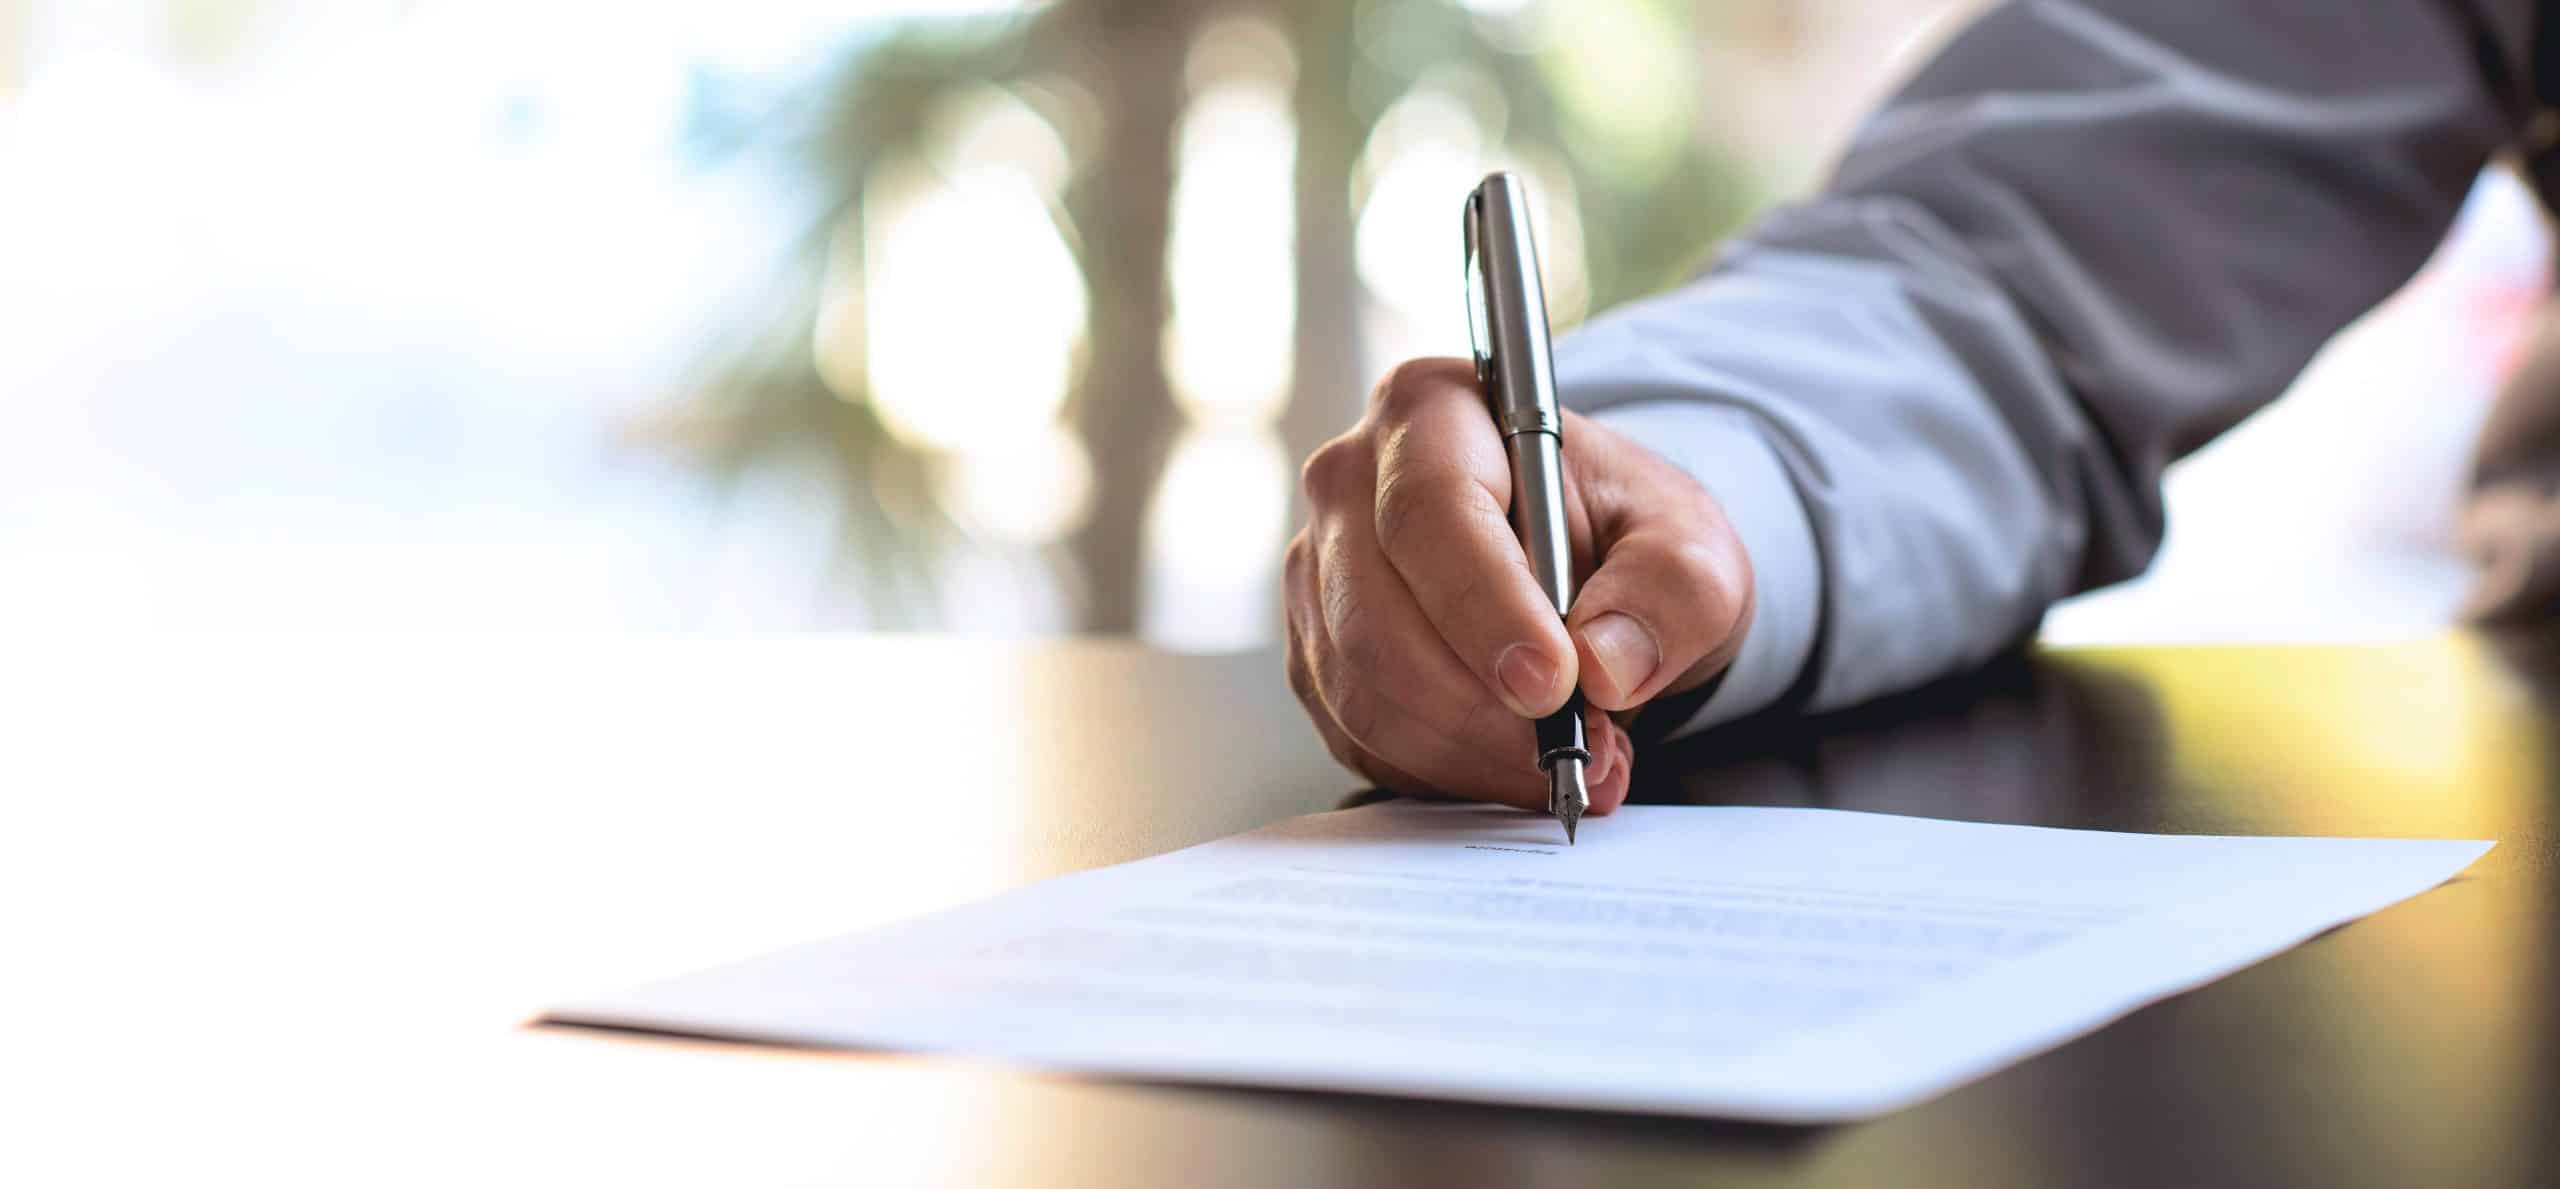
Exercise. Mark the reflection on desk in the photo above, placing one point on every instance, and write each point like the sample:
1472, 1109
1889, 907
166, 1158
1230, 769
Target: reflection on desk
284, 901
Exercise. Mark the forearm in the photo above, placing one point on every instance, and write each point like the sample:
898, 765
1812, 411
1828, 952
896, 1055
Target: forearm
1898, 529
2084, 240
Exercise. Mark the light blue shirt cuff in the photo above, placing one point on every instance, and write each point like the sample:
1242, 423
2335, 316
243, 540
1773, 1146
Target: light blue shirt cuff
1722, 447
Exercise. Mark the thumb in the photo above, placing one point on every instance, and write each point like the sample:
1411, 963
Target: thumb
1665, 610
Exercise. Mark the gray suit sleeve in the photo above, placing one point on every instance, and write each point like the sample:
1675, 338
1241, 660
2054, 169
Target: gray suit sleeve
2085, 239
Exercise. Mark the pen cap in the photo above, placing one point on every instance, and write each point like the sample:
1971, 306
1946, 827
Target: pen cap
1507, 308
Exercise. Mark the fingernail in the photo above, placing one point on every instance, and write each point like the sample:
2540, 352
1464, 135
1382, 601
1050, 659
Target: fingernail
1527, 678
1625, 650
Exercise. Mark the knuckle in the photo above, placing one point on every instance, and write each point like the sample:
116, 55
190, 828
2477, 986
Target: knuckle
1333, 467
1710, 580
1740, 590
1405, 501
1410, 386
1300, 683
1350, 681
1355, 639
1356, 706
1298, 603
1398, 504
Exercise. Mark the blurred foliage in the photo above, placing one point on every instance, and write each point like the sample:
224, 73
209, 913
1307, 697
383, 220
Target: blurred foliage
1652, 197
1614, 102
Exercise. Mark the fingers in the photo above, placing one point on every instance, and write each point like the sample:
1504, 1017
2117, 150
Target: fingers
1513, 780
1389, 699
1613, 761
1392, 685
1670, 600
1346, 753
1443, 484
1608, 775
1418, 639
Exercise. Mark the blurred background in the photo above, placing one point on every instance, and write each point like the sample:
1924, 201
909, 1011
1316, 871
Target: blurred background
985, 317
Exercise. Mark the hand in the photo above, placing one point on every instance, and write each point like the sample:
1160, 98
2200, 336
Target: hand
1418, 640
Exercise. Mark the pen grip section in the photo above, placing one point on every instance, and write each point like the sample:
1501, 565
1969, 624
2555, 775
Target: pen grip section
1560, 734
1537, 513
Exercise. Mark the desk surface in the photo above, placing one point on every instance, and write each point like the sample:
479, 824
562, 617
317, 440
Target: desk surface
280, 907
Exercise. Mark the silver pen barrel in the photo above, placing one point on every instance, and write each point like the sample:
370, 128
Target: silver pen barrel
1507, 303
1507, 318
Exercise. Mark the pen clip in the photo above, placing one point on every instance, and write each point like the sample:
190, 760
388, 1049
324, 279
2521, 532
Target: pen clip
1479, 319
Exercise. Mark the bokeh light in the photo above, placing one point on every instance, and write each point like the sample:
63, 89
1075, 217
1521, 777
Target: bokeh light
1627, 81
1437, 142
1233, 257
453, 313
973, 307
1426, 148
836, 342
1023, 490
1214, 533
988, 127
1214, 528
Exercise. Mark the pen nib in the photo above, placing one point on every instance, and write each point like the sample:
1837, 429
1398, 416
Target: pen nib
1567, 797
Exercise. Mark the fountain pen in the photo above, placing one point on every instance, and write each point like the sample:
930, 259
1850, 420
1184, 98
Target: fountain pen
1507, 327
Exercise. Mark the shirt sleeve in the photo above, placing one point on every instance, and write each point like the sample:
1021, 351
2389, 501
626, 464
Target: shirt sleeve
2085, 239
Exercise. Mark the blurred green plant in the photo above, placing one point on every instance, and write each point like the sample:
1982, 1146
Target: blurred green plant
1613, 101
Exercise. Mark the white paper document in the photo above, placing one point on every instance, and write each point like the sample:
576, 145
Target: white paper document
1794, 965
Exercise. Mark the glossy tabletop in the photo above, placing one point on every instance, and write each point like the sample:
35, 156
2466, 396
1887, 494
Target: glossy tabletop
282, 908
